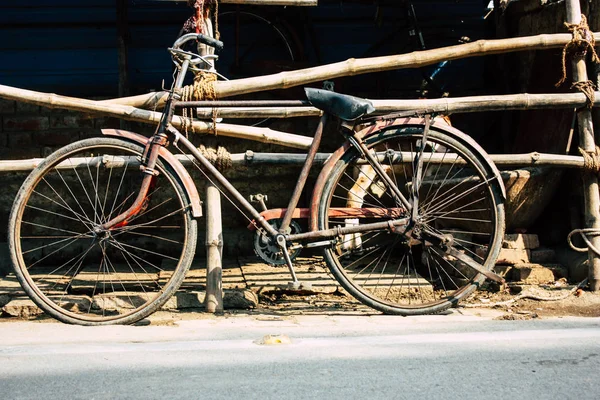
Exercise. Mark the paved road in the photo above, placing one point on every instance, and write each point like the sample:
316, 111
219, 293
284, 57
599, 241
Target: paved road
330, 357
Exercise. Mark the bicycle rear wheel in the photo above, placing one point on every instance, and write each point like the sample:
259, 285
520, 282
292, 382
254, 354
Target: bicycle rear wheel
458, 196
80, 275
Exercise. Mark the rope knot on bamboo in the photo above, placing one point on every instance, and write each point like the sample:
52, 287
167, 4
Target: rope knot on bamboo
218, 157
589, 89
591, 160
582, 41
203, 88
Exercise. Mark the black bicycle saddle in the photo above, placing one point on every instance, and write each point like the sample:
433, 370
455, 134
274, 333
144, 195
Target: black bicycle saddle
348, 108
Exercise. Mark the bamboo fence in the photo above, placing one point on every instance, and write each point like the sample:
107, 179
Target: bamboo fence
351, 67
251, 158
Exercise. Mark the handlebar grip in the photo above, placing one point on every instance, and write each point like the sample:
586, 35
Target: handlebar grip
209, 41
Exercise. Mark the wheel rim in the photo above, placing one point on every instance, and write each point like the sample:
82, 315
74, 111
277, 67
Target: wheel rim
81, 271
395, 274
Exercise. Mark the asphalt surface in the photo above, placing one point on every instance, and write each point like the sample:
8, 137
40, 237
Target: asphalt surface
454, 356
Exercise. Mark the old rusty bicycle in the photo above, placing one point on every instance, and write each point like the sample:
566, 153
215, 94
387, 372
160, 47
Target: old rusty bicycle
409, 213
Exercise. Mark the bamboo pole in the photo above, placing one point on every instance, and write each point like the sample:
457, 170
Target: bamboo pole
129, 113
351, 67
446, 106
587, 143
250, 158
524, 101
214, 251
260, 112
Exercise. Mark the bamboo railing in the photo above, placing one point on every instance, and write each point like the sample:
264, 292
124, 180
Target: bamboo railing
351, 67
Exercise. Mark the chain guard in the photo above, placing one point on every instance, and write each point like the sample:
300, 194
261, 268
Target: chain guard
266, 248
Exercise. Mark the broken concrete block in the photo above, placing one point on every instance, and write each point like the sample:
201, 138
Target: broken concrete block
21, 308
521, 241
185, 299
533, 274
513, 256
240, 299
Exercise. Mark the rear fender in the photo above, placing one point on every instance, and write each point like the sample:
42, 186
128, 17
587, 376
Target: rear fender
169, 158
380, 126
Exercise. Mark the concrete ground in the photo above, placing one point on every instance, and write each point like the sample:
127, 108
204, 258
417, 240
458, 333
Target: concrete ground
256, 288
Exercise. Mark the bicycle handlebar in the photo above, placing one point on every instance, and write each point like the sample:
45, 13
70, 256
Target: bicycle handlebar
207, 40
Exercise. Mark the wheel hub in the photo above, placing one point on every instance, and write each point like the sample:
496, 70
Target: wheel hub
101, 234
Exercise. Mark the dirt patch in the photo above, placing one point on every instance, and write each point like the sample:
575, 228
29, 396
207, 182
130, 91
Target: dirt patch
553, 300
303, 302
519, 302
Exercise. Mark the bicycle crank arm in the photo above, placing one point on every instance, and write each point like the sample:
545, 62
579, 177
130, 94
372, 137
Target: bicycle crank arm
474, 265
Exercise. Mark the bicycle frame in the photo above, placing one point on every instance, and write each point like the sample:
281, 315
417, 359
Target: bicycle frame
316, 237
159, 140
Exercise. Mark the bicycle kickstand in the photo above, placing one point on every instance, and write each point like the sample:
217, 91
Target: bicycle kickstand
295, 284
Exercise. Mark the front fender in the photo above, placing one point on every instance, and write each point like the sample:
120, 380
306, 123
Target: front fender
388, 124
169, 158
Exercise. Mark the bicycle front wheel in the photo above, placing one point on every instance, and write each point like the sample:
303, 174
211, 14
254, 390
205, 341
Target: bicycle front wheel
458, 196
72, 270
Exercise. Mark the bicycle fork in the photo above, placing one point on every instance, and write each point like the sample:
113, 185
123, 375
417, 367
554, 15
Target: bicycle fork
147, 166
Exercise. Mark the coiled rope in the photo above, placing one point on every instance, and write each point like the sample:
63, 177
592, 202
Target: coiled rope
591, 160
589, 89
203, 88
218, 157
585, 235
582, 41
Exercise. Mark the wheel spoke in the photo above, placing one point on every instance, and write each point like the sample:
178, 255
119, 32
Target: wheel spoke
397, 271
76, 271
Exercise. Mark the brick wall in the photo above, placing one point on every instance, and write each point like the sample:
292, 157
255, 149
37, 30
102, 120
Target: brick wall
28, 131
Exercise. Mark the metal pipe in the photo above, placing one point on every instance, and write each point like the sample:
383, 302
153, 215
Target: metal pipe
287, 219
340, 231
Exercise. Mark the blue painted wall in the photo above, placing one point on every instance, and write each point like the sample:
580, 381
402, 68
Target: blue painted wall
69, 46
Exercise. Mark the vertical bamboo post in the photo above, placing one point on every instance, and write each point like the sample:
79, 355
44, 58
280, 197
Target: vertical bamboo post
214, 251
588, 143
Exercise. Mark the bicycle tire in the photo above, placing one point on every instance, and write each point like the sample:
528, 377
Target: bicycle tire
387, 271
83, 277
